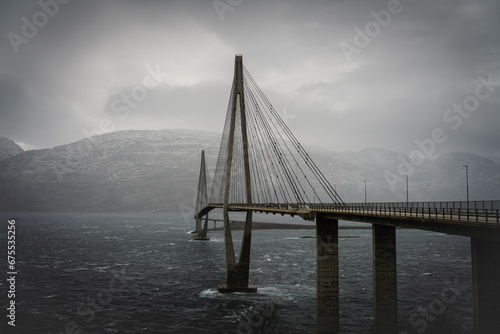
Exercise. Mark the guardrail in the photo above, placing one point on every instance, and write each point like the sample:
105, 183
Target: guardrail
472, 211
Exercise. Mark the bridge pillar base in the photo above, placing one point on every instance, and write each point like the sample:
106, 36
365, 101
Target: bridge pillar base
224, 288
485, 258
385, 295
327, 275
202, 238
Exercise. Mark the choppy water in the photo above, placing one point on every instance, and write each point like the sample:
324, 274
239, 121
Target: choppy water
143, 273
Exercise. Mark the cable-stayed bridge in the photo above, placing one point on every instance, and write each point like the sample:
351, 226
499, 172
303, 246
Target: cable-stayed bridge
262, 167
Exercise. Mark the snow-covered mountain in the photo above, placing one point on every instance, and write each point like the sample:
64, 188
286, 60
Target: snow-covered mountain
8, 148
442, 179
136, 171
115, 172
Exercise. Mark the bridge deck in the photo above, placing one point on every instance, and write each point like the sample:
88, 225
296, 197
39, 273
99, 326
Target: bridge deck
452, 218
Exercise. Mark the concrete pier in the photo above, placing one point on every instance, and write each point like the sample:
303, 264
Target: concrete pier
201, 200
327, 275
485, 257
237, 274
385, 294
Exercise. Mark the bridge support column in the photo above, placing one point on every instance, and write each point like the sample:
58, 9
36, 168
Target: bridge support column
485, 257
327, 275
385, 295
237, 273
202, 235
201, 200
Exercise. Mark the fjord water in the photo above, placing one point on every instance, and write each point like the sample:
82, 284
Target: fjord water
144, 273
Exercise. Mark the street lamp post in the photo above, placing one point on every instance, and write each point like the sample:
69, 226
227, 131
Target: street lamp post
365, 192
406, 190
467, 187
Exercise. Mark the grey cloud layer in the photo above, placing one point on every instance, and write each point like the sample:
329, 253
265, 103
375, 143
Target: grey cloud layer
393, 92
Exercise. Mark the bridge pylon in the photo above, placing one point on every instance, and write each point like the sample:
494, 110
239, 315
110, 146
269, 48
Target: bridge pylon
237, 273
201, 201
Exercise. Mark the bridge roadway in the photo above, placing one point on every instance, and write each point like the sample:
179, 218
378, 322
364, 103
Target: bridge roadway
479, 220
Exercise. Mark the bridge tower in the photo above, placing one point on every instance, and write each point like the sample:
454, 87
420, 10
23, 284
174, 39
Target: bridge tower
201, 201
237, 273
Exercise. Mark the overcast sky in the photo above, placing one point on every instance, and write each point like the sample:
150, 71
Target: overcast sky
345, 74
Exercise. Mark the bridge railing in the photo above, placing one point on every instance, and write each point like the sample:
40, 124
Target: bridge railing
472, 211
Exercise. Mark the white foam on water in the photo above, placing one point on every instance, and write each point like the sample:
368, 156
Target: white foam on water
209, 293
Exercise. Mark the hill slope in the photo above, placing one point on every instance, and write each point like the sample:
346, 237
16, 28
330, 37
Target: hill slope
116, 172
137, 171
8, 148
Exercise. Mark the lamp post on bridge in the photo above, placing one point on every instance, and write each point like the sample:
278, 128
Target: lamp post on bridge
467, 188
365, 192
406, 190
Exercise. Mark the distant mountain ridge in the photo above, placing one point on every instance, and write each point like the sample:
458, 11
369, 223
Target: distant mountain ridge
8, 148
157, 171
124, 171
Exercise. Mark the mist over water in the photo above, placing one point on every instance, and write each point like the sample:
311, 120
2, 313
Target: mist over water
143, 273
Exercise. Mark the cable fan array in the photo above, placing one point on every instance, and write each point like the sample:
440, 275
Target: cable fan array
281, 170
